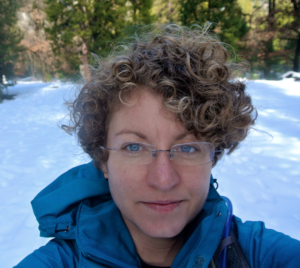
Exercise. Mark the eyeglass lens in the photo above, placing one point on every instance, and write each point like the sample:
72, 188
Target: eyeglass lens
196, 153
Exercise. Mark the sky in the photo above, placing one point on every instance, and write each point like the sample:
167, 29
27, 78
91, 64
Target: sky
261, 178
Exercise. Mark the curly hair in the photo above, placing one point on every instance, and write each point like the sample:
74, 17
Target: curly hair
192, 71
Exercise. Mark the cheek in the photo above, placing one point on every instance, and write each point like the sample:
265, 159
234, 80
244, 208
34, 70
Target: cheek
117, 180
198, 175
124, 182
197, 180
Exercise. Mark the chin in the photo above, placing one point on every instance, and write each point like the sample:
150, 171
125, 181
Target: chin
162, 230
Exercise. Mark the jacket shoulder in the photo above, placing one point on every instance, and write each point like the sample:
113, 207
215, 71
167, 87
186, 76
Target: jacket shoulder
264, 247
57, 253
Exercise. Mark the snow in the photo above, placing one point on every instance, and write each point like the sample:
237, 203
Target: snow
290, 75
262, 178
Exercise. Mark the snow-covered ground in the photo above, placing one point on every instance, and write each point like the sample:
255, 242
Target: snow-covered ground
262, 178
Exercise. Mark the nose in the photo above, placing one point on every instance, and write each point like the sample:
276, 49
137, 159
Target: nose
162, 175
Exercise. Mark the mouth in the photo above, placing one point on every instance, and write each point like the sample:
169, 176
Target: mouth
163, 206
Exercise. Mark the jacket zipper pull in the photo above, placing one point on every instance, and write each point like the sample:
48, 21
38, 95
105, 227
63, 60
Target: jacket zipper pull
63, 230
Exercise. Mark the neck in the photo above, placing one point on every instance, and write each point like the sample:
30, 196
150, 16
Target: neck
160, 252
156, 251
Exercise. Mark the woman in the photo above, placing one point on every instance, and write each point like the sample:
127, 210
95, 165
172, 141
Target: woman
155, 119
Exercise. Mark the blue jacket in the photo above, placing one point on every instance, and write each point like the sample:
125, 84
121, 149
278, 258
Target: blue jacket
77, 209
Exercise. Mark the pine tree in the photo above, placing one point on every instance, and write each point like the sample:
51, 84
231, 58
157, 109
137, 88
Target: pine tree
227, 15
84, 26
287, 15
273, 43
141, 11
9, 37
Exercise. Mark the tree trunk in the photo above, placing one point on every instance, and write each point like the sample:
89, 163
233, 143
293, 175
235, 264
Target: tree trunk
295, 4
296, 58
85, 60
271, 13
208, 11
134, 7
44, 73
170, 11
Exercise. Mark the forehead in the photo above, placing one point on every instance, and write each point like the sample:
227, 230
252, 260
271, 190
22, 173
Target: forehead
145, 112
147, 101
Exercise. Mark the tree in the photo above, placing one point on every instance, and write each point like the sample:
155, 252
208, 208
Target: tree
273, 43
9, 37
260, 39
141, 11
288, 24
78, 27
229, 20
167, 11
37, 59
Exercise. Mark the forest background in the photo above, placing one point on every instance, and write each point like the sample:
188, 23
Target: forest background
56, 39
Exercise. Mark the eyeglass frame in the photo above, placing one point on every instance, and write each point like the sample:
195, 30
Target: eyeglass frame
170, 151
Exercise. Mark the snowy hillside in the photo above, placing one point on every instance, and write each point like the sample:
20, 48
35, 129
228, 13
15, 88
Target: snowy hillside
262, 178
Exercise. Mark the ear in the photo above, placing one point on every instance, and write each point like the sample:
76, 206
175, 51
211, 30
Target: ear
105, 171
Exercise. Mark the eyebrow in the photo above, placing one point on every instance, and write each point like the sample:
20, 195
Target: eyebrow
140, 135
181, 136
144, 137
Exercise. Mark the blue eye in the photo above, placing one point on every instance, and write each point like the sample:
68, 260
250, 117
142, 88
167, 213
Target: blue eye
133, 147
187, 149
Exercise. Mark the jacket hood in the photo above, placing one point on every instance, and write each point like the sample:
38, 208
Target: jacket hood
78, 205
55, 207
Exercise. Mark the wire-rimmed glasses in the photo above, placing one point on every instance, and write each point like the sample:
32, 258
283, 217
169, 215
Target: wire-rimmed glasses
138, 153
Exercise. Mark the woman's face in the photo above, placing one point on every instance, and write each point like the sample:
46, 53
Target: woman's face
160, 198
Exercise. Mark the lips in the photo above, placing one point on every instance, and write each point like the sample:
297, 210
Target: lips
163, 206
